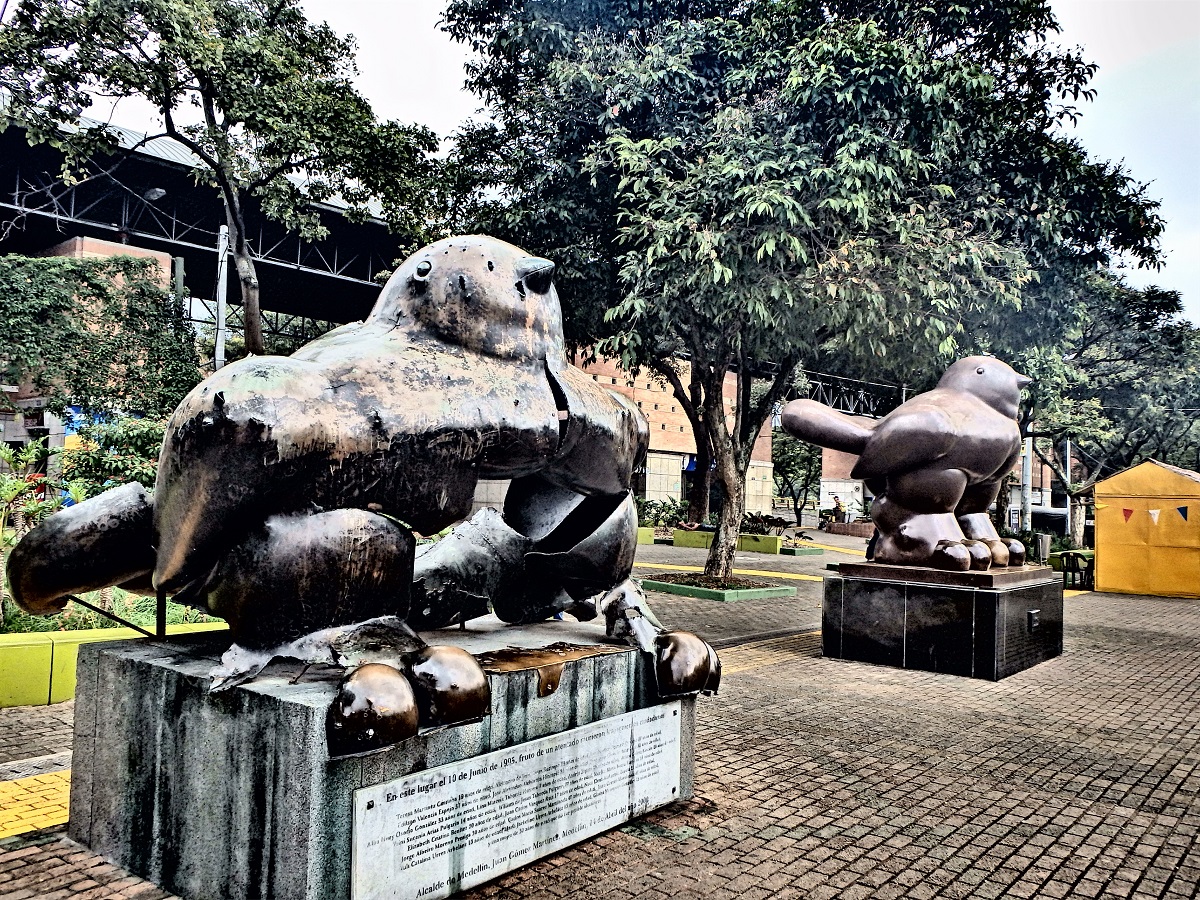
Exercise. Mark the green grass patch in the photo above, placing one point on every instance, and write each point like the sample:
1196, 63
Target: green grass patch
133, 608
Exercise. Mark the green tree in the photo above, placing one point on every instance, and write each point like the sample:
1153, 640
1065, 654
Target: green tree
99, 334
26, 497
114, 453
790, 179
797, 469
259, 95
1123, 385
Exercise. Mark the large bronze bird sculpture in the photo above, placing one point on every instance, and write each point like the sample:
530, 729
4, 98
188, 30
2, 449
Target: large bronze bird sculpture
934, 465
288, 490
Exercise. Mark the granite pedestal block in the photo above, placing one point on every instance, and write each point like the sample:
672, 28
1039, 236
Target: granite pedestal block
233, 795
977, 632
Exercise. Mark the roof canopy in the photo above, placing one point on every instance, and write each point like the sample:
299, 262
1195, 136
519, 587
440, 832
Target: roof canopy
1151, 479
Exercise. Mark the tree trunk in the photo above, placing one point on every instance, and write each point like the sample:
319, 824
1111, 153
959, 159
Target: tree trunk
1078, 517
729, 523
243, 262
1003, 499
251, 311
691, 398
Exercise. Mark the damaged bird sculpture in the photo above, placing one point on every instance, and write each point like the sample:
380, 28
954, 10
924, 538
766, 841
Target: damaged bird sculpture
934, 465
288, 489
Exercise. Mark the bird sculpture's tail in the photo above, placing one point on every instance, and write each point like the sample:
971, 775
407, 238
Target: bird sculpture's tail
103, 541
819, 424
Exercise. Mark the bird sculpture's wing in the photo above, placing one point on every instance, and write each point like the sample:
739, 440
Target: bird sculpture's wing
906, 440
826, 427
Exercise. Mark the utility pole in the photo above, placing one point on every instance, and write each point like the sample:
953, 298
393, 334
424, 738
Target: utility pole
1067, 473
222, 269
1027, 486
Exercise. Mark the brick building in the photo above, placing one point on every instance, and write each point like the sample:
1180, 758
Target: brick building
671, 461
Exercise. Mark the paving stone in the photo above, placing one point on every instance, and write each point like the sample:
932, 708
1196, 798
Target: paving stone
28, 732
821, 778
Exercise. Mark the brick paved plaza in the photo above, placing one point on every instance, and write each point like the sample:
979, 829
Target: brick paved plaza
819, 778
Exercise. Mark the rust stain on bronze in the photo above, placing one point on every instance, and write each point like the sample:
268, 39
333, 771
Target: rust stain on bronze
549, 678
548, 661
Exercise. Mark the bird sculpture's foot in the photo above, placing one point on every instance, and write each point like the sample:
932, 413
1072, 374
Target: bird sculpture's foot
1005, 551
683, 662
380, 704
953, 556
981, 555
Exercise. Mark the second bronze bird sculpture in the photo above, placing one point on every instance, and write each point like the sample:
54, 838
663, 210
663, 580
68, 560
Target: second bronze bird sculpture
934, 465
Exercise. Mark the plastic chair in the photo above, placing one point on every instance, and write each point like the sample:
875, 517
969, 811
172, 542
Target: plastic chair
1089, 572
1077, 570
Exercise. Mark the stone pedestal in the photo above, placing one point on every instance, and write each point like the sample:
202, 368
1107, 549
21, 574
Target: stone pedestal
972, 628
233, 795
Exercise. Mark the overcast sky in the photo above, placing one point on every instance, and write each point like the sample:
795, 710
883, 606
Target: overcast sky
1147, 112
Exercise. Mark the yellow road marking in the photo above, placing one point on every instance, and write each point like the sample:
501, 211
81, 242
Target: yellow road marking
745, 657
40, 801
861, 553
1073, 593
792, 575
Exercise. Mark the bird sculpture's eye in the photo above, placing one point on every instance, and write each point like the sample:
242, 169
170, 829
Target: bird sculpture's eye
424, 267
979, 371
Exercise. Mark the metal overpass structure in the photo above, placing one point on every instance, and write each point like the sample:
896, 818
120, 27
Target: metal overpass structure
152, 199
854, 397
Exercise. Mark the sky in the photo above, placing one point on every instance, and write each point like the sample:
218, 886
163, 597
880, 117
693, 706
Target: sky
1146, 114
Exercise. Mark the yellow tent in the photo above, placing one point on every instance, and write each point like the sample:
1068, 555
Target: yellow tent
1148, 531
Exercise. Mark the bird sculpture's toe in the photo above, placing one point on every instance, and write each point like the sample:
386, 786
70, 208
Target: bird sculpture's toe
981, 555
375, 707
952, 556
450, 686
685, 664
999, 552
1016, 552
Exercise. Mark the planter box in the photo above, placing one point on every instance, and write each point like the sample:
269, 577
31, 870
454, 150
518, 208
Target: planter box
700, 539
760, 543
801, 551
645, 534
37, 668
25, 661
684, 590
754, 543
854, 529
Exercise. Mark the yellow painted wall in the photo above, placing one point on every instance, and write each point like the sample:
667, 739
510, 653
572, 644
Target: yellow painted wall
1136, 554
39, 668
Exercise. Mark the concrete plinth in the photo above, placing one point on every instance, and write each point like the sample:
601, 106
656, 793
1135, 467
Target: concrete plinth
988, 633
233, 795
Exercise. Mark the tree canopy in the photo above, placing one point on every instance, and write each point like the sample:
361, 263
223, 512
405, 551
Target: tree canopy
1123, 386
753, 186
258, 94
99, 334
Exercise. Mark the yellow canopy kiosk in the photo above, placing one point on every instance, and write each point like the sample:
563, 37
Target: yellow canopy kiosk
1148, 531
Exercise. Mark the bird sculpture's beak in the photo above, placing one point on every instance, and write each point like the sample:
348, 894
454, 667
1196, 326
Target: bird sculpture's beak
1023, 381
